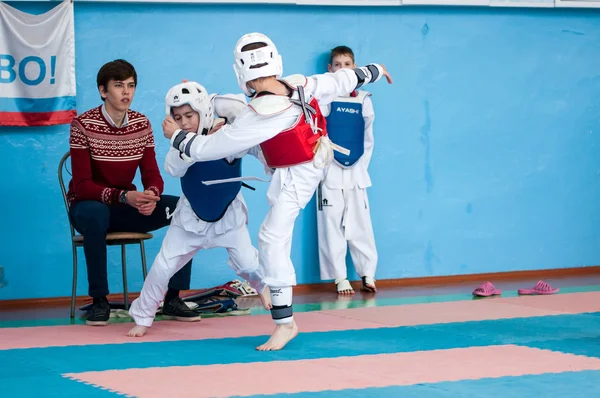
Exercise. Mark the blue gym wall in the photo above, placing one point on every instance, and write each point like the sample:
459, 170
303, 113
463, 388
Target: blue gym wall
486, 154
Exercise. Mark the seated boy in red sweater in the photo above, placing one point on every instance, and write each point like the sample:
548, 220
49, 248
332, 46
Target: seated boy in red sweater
108, 144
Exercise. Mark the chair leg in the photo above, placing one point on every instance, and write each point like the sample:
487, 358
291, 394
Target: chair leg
143, 251
124, 264
74, 289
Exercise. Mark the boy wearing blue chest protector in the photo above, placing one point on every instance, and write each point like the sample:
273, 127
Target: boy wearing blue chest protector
343, 214
207, 216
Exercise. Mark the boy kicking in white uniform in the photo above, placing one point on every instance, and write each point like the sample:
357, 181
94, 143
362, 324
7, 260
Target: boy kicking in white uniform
285, 119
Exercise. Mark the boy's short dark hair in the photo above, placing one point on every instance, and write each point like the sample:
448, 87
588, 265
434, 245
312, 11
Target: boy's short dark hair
118, 69
341, 50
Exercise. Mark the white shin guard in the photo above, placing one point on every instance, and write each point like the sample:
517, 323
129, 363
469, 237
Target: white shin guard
281, 299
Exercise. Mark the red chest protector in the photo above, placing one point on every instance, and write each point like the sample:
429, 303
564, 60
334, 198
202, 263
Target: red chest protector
297, 144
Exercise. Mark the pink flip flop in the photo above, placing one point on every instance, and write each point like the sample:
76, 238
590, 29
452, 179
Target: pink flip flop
540, 288
486, 289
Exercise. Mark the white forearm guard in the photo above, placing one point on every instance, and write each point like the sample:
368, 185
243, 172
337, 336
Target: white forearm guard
368, 74
182, 141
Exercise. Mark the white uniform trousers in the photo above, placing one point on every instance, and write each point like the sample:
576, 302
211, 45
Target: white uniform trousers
183, 240
290, 191
344, 219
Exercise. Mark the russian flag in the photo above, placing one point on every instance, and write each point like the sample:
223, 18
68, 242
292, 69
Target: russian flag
37, 111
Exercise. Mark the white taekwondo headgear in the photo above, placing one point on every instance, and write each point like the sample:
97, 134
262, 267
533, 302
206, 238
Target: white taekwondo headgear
252, 64
197, 97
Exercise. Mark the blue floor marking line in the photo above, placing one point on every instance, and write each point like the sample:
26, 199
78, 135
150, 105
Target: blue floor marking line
548, 330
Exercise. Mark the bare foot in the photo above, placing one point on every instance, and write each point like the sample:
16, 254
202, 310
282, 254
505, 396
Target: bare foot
137, 331
282, 335
265, 298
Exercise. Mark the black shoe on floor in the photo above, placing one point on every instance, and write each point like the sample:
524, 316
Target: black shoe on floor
176, 309
99, 313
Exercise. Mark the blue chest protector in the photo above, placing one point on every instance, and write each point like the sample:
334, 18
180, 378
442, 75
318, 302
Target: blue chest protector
346, 128
210, 202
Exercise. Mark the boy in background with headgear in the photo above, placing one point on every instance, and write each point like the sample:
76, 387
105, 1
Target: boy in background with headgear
206, 216
284, 117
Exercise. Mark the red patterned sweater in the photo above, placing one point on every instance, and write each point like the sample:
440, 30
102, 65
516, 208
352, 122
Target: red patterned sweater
104, 159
